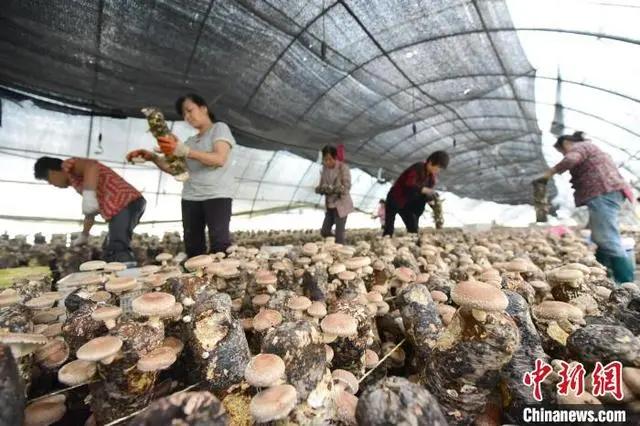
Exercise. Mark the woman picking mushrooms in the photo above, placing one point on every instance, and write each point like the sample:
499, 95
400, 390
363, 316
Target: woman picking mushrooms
599, 185
206, 195
335, 184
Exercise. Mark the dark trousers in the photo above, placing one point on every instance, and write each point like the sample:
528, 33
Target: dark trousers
215, 214
331, 218
409, 216
117, 245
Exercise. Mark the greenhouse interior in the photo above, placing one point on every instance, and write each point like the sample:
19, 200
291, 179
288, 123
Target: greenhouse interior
358, 212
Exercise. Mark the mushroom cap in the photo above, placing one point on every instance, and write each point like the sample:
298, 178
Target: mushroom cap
164, 257
114, 267
310, 249
99, 348
556, 310
53, 330
347, 379
153, 304
371, 358
374, 297
106, 312
228, 272
320, 257
100, 296
317, 309
149, 269
9, 297
299, 303
439, 296
197, 262
264, 370
90, 279
76, 372
175, 344
40, 302
339, 324
480, 296
266, 319
121, 284
405, 274
260, 299
304, 261
578, 267
566, 275
378, 265
516, 265
52, 354
92, 265
25, 338
265, 278
337, 268
347, 275
160, 358
422, 278
41, 413
328, 352
357, 262
274, 403
480, 250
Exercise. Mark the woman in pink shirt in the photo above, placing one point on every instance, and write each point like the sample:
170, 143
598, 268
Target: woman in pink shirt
380, 214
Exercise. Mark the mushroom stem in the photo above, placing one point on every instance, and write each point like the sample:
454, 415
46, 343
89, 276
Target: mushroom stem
329, 338
155, 322
108, 360
480, 316
110, 323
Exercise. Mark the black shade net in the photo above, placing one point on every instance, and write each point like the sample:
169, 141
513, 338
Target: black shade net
393, 80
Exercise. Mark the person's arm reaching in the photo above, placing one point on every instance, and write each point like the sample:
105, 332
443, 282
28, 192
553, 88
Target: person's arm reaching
223, 142
89, 170
570, 160
160, 162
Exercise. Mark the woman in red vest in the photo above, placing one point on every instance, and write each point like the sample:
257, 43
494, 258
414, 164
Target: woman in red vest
411, 192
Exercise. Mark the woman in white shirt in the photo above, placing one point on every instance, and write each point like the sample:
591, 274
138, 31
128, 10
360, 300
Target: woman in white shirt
206, 195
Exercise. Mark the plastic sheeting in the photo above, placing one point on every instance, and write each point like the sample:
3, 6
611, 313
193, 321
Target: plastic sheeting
392, 80
594, 46
265, 181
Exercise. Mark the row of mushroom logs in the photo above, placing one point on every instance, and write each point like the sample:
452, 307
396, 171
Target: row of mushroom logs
445, 299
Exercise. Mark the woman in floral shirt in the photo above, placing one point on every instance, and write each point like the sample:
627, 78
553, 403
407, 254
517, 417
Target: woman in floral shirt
599, 185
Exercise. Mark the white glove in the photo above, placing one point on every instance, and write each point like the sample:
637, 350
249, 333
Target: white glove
80, 240
182, 150
89, 202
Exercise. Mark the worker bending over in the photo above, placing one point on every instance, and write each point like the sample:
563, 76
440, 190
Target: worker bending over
411, 192
103, 192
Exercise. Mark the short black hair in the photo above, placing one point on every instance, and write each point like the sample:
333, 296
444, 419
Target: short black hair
330, 150
196, 99
439, 158
44, 164
382, 201
577, 136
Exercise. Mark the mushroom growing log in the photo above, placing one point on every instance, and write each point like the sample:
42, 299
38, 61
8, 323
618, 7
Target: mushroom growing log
12, 394
605, 343
464, 366
422, 324
300, 345
516, 395
397, 401
186, 409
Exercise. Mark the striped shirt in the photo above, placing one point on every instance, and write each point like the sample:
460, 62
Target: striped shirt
113, 192
593, 172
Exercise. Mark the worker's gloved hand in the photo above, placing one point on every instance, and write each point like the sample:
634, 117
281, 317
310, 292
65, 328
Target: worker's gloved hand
171, 146
430, 192
140, 153
90, 204
80, 240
